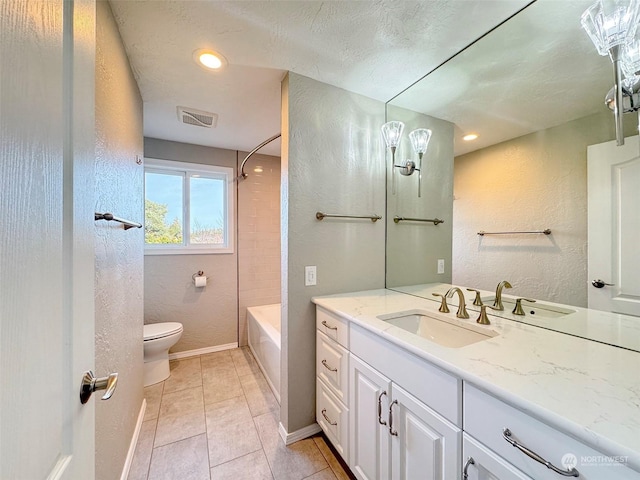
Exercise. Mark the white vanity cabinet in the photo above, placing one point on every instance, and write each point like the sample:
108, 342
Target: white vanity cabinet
393, 414
369, 439
332, 379
392, 433
494, 426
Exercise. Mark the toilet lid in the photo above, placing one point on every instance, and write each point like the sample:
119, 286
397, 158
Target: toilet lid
152, 331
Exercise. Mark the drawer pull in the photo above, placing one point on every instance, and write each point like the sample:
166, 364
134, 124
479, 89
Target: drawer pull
465, 474
506, 434
324, 414
324, 322
395, 434
380, 421
326, 365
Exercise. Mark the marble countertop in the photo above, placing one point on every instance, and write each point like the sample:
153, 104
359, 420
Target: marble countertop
588, 389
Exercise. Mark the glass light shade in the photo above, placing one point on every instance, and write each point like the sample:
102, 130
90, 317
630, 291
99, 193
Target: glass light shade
392, 132
610, 23
420, 140
631, 57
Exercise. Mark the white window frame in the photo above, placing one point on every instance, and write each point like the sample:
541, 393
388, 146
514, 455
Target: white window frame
189, 170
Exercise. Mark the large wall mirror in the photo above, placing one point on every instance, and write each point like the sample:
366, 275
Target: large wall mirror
532, 90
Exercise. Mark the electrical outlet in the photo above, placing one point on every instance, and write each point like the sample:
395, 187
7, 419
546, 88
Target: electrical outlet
310, 276
441, 265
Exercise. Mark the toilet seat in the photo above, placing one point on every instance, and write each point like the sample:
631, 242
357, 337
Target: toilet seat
153, 331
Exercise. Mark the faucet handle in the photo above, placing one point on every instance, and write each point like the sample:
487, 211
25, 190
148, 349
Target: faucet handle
476, 301
517, 310
443, 304
483, 319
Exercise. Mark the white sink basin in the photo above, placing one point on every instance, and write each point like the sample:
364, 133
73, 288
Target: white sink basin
530, 309
443, 331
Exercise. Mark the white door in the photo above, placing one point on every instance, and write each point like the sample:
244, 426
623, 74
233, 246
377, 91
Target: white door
46, 238
425, 445
614, 226
369, 438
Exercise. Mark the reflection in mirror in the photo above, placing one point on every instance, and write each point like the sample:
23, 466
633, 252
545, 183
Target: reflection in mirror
533, 92
416, 246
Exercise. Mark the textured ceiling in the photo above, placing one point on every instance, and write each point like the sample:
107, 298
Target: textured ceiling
536, 71
375, 48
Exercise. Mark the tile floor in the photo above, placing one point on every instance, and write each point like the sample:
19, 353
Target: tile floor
216, 418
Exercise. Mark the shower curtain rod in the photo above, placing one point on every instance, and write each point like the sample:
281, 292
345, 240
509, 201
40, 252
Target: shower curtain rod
269, 140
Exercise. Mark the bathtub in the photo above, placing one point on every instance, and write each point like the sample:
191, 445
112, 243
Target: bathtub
264, 341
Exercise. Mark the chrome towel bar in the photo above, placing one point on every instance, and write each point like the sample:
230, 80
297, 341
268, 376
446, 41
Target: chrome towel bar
373, 218
546, 232
110, 217
435, 221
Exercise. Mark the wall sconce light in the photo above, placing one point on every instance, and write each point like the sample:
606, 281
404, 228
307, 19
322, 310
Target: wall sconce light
611, 26
392, 133
631, 84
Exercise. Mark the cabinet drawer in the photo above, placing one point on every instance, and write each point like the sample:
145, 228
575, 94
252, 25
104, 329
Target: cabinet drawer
486, 417
485, 464
428, 383
333, 418
332, 366
332, 326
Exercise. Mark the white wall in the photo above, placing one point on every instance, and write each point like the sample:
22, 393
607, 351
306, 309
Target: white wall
332, 161
533, 182
119, 275
209, 315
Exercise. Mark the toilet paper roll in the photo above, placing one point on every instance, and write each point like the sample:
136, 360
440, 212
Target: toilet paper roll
201, 281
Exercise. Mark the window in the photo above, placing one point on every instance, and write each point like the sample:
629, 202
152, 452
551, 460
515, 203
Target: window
188, 208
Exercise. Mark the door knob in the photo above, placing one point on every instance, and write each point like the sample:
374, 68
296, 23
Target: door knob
600, 283
90, 383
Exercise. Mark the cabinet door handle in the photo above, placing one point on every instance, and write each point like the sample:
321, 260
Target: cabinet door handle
465, 471
324, 322
395, 434
324, 414
506, 434
380, 421
328, 367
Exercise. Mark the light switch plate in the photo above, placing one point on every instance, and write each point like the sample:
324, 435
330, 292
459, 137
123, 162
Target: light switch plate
309, 276
441, 265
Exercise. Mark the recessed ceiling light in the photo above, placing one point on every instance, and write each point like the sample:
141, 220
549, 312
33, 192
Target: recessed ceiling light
471, 136
209, 59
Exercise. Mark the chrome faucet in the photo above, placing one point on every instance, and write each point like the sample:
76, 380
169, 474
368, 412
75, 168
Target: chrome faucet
462, 309
497, 303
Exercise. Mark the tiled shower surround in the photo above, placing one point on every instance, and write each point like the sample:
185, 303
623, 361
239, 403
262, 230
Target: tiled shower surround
258, 237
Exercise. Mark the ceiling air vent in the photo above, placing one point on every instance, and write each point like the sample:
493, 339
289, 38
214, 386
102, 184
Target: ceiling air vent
191, 116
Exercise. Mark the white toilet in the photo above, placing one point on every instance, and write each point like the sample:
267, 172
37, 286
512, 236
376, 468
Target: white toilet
158, 339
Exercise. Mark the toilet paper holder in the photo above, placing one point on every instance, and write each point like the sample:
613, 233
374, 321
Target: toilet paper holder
196, 276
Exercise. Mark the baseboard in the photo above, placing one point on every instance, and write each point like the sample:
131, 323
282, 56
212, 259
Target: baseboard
289, 438
134, 441
202, 351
